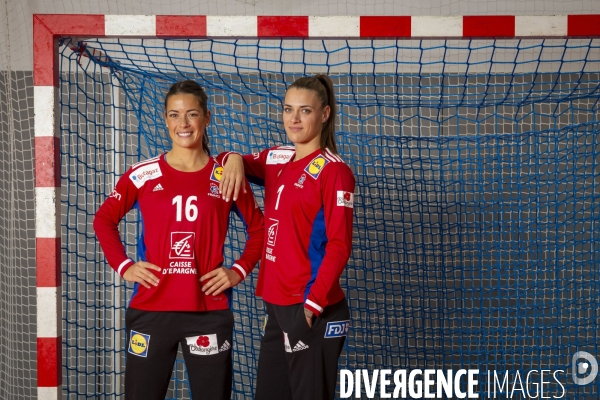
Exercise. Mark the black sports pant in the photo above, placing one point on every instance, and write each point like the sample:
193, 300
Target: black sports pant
297, 362
152, 341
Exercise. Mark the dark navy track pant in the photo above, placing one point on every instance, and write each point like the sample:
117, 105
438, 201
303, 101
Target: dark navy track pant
152, 342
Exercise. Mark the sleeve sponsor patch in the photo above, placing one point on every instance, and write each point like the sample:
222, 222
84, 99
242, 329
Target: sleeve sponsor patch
345, 199
279, 156
115, 195
145, 173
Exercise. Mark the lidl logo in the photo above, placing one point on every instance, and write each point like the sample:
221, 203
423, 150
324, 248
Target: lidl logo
217, 173
139, 343
315, 167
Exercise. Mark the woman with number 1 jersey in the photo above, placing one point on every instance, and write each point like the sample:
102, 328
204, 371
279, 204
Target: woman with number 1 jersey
309, 193
182, 290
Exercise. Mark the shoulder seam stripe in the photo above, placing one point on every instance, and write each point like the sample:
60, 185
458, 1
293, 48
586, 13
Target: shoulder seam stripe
327, 156
334, 155
148, 161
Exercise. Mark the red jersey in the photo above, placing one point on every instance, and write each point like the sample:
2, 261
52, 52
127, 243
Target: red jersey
184, 224
308, 220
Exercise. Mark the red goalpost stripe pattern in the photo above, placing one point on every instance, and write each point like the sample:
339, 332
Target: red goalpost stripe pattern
48, 27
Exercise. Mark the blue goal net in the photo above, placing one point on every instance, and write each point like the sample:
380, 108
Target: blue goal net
477, 206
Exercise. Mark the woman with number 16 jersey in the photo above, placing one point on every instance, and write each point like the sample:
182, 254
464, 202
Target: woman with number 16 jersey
182, 290
309, 193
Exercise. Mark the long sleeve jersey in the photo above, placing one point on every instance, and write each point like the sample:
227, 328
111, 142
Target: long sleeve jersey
184, 225
308, 225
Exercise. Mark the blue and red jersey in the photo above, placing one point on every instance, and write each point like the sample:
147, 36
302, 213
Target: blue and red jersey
308, 225
184, 225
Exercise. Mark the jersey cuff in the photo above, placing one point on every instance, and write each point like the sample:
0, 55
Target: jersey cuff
240, 271
227, 155
124, 266
314, 307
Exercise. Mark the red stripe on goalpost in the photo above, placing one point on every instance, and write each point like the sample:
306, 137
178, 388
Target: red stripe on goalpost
48, 262
282, 26
188, 26
47, 161
49, 363
378, 27
489, 26
583, 25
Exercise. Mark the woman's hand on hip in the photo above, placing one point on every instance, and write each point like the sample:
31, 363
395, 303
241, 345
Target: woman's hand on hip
219, 280
140, 273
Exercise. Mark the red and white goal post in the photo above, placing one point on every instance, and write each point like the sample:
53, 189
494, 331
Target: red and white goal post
47, 29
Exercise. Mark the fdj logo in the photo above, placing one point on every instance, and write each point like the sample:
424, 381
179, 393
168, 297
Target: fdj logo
337, 329
584, 363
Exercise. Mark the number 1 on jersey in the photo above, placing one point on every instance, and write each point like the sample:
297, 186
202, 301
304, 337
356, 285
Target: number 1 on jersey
279, 195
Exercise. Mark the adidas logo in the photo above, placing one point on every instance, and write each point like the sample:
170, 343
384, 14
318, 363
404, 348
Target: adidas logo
157, 188
226, 346
300, 346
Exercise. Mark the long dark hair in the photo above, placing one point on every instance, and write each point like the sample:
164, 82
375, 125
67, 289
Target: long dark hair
323, 87
193, 88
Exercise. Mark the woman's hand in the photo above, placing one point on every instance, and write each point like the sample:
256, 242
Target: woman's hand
309, 315
220, 279
139, 272
233, 177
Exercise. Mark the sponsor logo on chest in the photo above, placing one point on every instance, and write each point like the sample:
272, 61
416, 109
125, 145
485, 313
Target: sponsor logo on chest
180, 268
182, 245
217, 173
272, 231
279, 156
271, 239
316, 165
145, 173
